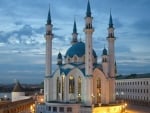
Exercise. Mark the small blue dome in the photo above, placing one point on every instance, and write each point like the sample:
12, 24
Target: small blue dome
59, 56
104, 51
77, 49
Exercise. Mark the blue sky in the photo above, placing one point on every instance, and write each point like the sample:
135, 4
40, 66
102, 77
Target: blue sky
22, 28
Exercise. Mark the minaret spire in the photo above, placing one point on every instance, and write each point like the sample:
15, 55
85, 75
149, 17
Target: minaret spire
49, 17
74, 34
110, 21
88, 12
74, 27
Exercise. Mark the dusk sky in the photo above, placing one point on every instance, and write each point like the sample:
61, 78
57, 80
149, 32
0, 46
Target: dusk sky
22, 29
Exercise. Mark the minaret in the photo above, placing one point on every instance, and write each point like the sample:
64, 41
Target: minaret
111, 48
88, 56
74, 34
59, 59
88, 37
48, 37
105, 61
111, 52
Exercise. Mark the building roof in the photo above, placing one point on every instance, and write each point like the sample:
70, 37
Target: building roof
88, 12
49, 17
59, 56
18, 87
133, 76
78, 49
104, 51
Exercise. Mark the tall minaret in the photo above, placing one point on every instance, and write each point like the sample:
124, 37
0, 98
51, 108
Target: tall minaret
74, 34
48, 37
111, 52
111, 48
88, 46
88, 56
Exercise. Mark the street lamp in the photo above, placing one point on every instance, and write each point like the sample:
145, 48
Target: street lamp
93, 99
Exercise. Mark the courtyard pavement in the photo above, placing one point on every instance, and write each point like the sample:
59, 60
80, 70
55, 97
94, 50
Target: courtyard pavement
137, 109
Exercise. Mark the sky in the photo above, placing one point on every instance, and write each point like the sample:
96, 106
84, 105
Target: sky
22, 29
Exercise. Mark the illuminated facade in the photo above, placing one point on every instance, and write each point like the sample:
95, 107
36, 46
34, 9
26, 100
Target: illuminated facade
20, 106
134, 88
80, 82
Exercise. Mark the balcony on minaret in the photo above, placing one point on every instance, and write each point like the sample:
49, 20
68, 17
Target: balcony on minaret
111, 35
89, 26
49, 33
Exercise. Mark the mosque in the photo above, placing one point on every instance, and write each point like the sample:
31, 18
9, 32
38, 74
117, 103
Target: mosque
79, 83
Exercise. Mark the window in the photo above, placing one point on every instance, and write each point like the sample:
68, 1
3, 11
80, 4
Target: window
69, 109
98, 90
54, 109
58, 84
68, 60
49, 108
75, 59
71, 84
79, 89
61, 109
63, 81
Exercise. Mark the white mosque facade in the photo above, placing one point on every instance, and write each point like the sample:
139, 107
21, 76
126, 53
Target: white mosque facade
79, 82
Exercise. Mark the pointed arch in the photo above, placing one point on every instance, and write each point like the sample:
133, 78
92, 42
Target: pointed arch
71, 84
79, 88
58, 85
100, 86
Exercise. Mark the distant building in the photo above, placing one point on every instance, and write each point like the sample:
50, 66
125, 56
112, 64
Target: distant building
18, 93
20, 106
79, 83
134, 88
20, 103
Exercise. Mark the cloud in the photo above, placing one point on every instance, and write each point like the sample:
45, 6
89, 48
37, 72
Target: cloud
143, 26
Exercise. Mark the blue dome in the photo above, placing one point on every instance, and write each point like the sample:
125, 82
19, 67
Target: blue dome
77, 49
104, 51
59, 56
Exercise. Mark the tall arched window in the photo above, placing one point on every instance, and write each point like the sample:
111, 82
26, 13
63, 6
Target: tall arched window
79, 88
98, 90
58, 84
63, 81
75, 59
71, 84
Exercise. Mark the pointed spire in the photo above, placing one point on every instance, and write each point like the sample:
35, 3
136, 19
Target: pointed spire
18, 87
74, 27
88, 12
59, 55
110, 21
49, 17
104, 51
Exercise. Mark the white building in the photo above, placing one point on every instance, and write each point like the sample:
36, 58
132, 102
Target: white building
134, 88
79, 82
18, 93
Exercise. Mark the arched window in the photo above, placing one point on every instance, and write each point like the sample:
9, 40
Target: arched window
98, 90
68, 60
79, 88
71, 84
75, 59
58, 84
63, 81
